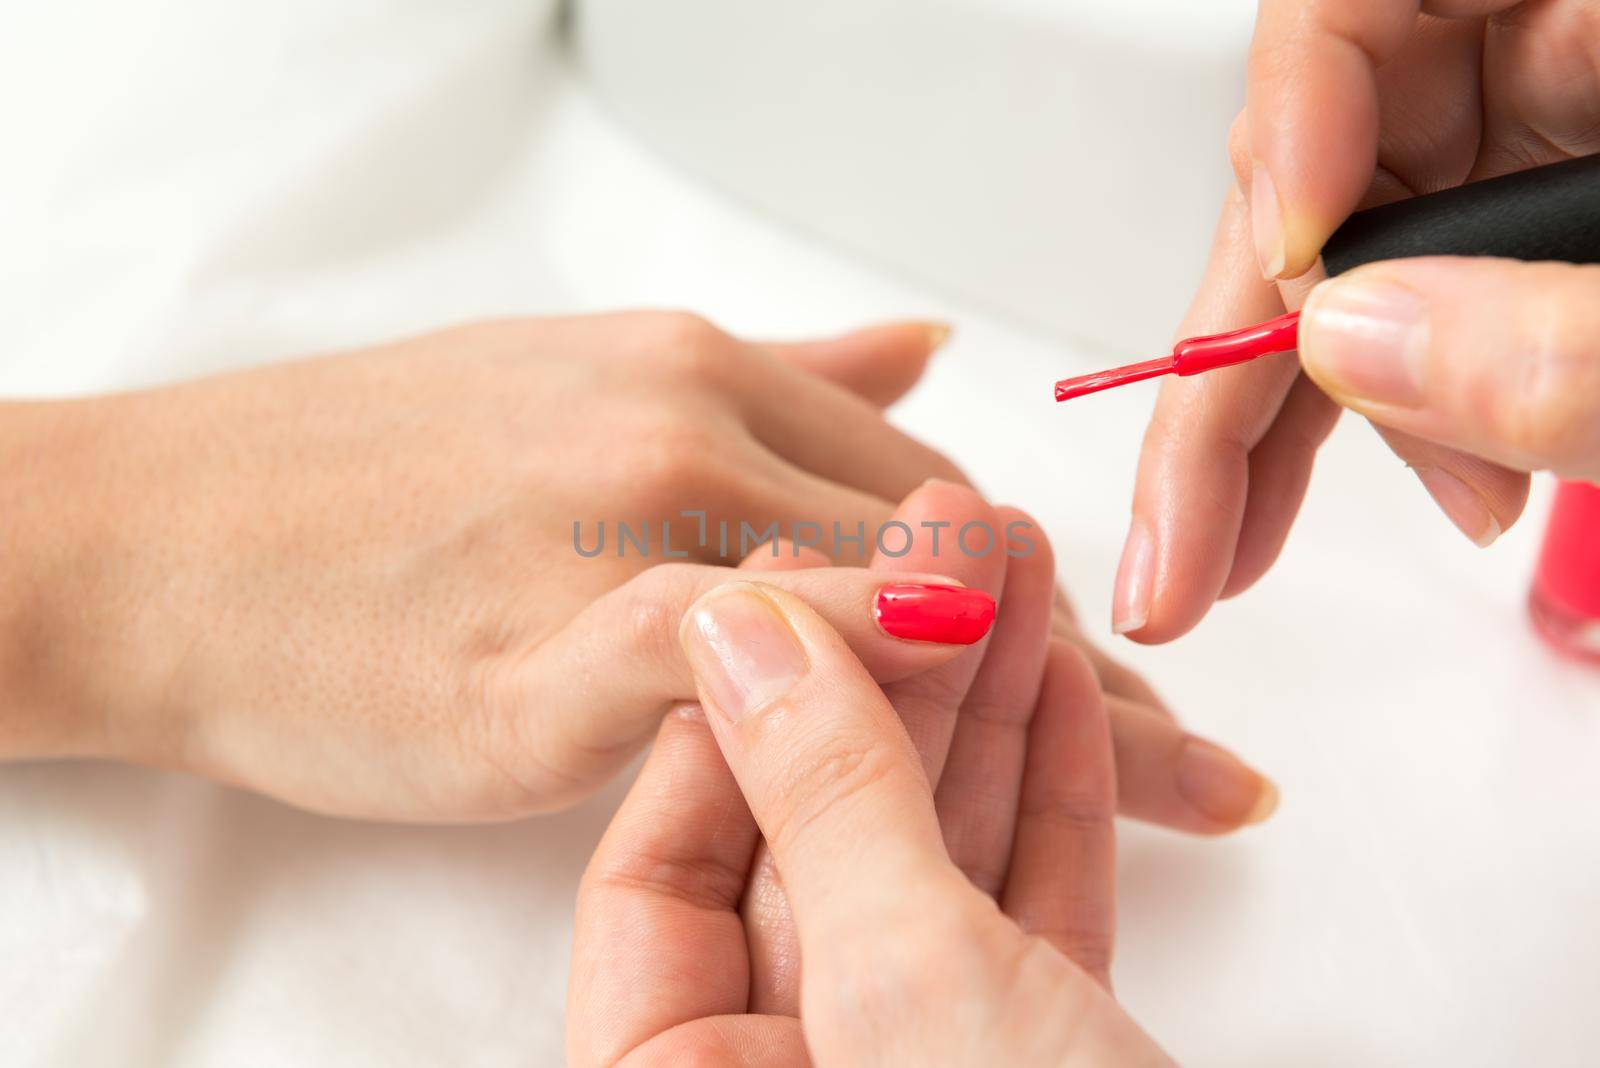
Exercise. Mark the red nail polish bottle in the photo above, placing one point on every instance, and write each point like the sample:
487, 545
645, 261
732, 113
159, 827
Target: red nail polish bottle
1565, 601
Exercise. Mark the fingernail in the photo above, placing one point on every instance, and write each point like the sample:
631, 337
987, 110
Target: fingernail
743, 651
1462, 504
1222, 787
948, 615
1266, 220
1366, 339
1130, 604
938, 334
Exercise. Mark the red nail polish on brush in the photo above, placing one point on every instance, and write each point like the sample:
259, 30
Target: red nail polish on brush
1565, 601
1545, 213
947, 615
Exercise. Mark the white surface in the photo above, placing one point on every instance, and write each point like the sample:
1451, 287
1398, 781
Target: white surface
1058, 161
190, 186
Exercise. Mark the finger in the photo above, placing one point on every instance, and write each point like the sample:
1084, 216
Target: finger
742, 1041
958, 533
773, 944
1279, 475
572, 710
1062, 870
977, 794
683, 828
1168, 776
1544, 85
928, 704
839, 793
1312, 98
1480, 497
843, 522
1194, 469
1149, 787
1497, 358
879, 364
822, 759
837, 435
658, 902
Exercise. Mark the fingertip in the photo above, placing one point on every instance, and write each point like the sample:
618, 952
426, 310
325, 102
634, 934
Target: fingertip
1153, 603
1462, 505
1222, 789
934, 613
1266, 221
880, 363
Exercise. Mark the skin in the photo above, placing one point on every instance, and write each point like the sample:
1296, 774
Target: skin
986, 889
349, 582
1353, 103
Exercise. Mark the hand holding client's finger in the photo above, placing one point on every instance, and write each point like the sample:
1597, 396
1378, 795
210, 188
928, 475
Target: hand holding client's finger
891, 930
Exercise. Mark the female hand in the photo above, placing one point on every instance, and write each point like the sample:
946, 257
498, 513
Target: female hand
969, 720
909, 958
1474, 372
351, 582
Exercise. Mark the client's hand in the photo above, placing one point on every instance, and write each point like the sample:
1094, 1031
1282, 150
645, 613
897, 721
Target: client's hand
352, 582
907, 961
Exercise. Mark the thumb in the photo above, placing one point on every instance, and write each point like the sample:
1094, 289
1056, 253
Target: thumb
822, 758
879, 363
1497, 358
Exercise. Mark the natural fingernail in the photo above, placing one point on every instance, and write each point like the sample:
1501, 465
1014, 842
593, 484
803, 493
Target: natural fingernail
1130, 603
743, 651
1462, 504
938, 334
1222, 787
948, 615
1266, 219
1366, 339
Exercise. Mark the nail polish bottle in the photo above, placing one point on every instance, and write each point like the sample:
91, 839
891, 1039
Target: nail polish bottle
1565, 601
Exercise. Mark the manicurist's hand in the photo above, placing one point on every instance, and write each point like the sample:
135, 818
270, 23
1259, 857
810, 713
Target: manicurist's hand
1474, 372
351, 582
964, 923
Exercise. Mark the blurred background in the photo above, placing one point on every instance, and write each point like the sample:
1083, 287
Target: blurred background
190, 187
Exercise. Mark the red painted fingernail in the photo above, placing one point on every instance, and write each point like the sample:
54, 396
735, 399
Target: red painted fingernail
949, 615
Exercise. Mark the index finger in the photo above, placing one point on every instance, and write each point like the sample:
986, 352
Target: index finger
1312, 100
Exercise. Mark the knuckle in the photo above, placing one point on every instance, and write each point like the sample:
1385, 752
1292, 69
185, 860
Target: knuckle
520, 769
702, 882
676, 454
1086, 809
1001, 714
690, 345
651, 605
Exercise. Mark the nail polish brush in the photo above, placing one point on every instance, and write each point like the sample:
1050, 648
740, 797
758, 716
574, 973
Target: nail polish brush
1547, 213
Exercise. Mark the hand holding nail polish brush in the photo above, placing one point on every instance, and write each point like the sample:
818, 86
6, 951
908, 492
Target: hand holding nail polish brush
1470, 371
1468, 319
1550, 213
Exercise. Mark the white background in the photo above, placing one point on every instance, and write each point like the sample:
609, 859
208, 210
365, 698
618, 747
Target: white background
190, 186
